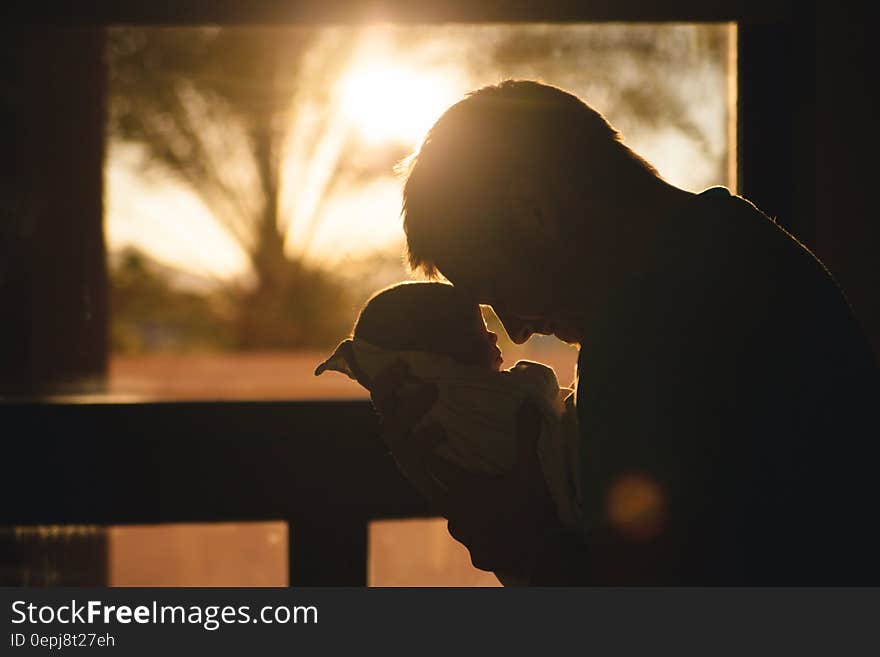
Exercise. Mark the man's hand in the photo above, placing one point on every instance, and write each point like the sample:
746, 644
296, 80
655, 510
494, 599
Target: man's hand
502, 519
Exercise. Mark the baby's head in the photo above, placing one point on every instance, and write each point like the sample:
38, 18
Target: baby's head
427, 316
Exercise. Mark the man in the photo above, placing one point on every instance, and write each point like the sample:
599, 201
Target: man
725, 393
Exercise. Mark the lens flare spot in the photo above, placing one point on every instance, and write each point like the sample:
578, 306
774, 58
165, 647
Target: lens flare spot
636, 506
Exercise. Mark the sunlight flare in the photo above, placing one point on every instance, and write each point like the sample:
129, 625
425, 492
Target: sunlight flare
390, 103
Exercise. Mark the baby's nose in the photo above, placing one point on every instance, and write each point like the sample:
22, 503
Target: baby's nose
493, 337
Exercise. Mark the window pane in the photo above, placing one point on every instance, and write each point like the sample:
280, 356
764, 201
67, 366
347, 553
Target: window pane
420, 552
199, 554
251, 203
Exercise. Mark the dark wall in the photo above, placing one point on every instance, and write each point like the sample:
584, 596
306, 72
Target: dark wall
845, 168
806, 111
52, 270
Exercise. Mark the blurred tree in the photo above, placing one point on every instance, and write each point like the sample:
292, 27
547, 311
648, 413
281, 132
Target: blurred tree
150, 313
235, 113
655, 77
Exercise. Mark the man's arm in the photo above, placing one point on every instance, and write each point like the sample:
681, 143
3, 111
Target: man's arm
502, 519
608, 559
509, 523
561, 560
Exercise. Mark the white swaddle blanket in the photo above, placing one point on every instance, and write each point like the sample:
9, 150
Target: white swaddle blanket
478, 409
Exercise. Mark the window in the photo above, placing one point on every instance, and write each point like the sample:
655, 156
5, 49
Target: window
251, 203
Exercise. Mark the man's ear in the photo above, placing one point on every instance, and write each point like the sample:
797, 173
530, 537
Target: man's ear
531, 210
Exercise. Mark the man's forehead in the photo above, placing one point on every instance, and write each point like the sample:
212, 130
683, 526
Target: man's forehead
473, 290
469, 277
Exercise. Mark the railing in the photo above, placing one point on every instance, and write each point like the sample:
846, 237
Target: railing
320, 466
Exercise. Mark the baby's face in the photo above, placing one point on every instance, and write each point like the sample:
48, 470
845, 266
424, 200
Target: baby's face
480, 345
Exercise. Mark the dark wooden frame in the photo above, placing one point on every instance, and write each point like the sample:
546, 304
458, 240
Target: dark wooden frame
320, 466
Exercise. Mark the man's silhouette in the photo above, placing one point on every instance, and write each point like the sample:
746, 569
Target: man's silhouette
725, 393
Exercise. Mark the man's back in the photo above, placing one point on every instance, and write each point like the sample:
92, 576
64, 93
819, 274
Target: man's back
734, 382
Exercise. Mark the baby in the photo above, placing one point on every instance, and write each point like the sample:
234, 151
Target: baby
443, 339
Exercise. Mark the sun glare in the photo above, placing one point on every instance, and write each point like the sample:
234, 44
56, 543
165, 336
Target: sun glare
392, 103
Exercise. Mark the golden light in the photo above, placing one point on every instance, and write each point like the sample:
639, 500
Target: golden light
636, 506
387, 102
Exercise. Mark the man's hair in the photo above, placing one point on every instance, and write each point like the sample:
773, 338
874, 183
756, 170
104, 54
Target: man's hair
458, 179
415, 316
